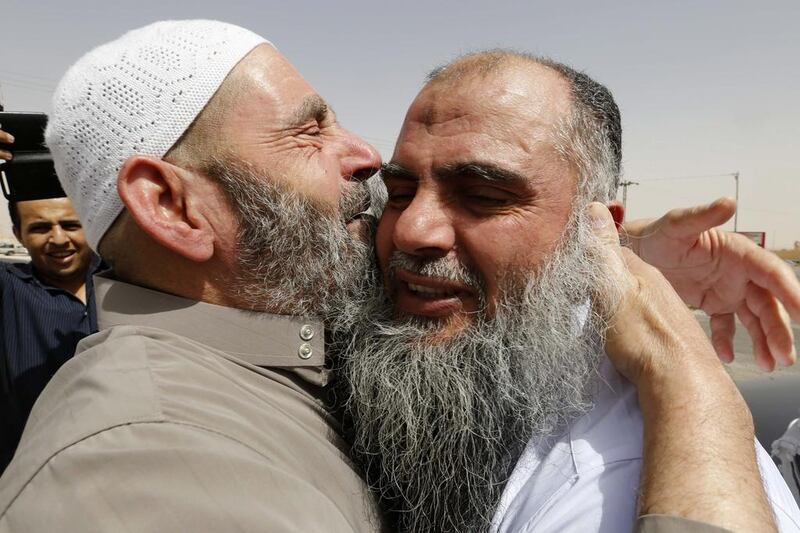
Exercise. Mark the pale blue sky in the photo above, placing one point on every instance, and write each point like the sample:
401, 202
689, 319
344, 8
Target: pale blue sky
705, 87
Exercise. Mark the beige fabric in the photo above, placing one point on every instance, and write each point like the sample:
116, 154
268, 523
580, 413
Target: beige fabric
655, 523
176, 428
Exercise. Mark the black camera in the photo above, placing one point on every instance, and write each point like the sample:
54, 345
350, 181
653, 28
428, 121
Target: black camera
30, 175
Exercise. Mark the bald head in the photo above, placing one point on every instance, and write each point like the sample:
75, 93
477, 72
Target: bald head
589, 134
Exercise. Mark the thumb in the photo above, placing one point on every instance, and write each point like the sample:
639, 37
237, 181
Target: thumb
692, 221
604, 228
609, 255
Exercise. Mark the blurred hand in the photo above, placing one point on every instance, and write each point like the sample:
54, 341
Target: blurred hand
724, 274
6, 138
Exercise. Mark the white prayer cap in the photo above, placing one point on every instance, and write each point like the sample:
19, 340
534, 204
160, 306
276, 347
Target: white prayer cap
135, 96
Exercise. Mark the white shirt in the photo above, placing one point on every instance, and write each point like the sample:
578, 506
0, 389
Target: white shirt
587, 479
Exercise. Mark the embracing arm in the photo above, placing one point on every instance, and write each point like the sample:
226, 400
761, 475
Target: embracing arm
699, 459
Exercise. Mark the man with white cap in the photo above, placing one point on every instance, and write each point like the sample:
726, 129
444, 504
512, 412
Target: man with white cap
187, 412
201, 410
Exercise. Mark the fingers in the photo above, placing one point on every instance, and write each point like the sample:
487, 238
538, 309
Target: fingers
723, 327
767, 270
6, 138
773, 322
760, 348
691, 222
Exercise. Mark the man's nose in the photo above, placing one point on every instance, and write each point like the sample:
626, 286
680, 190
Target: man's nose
360, 159
425, 228
58, 235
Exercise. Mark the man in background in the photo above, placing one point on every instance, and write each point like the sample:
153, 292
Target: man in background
47, 304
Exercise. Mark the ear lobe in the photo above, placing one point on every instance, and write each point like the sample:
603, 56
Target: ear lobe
17, 233
154, 193
617, 212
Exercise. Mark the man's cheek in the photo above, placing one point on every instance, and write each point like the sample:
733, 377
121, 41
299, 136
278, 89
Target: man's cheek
383, 241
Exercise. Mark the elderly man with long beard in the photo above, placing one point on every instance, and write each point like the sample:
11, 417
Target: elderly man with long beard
226, 196
478, 395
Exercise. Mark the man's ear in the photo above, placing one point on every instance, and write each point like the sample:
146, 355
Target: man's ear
17, 233
617, 212
155, 194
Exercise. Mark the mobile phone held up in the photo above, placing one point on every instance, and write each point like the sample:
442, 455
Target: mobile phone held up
30, 175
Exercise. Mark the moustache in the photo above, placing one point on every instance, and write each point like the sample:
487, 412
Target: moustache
355, 202
448, 268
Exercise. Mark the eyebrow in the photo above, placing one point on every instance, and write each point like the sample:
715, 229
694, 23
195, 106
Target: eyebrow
313, 107
475, 169
480, 170
40, 224
395, 171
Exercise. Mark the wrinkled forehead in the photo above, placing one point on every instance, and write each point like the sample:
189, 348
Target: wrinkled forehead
529, 96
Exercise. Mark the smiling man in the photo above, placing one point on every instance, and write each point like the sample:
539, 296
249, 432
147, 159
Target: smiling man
477, 391
47, 306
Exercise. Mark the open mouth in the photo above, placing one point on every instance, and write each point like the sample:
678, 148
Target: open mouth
431, 292
434, 297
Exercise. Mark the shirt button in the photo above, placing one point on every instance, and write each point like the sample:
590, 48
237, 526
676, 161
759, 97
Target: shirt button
306, 332
305, 351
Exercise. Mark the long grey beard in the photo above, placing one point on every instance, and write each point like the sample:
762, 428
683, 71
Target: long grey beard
437, 427
294, 256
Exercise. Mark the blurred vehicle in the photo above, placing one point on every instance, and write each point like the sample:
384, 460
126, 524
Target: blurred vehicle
14, 250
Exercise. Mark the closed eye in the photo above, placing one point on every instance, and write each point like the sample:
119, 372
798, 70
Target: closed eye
488, 197
399, 199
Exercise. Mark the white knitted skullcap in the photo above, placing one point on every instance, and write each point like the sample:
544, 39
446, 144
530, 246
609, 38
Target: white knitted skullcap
135, 96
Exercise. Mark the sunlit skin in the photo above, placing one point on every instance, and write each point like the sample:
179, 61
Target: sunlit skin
52, 233
282, 127
478, 179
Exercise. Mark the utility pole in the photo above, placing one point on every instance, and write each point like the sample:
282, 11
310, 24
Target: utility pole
624, 186
736, 213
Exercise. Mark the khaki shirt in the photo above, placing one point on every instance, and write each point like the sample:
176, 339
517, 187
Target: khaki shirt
184, 416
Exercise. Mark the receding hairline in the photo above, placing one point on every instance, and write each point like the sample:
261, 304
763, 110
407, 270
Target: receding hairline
591, 131
485, 63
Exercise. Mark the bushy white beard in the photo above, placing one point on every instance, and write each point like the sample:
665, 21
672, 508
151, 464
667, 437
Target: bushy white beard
437, 427
294, 256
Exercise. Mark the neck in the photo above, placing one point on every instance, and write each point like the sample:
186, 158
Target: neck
75, 285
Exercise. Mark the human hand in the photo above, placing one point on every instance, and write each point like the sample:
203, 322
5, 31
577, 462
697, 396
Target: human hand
6, 138
655, 341
652, 335
724, 274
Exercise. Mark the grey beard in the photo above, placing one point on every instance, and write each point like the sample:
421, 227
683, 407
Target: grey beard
437, 427
294, 256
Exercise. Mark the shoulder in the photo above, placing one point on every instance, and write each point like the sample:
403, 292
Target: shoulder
112, 380
179, 477
11, 271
